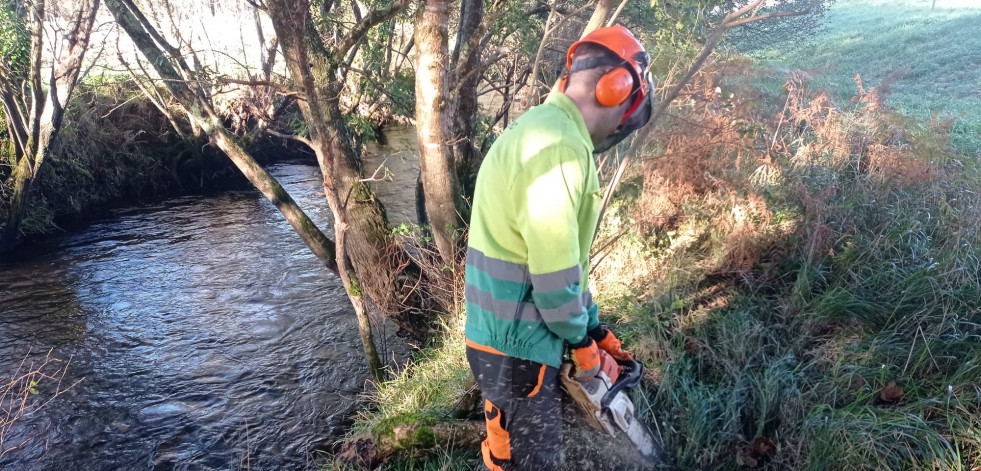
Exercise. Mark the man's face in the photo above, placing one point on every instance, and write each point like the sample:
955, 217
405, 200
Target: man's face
611, 121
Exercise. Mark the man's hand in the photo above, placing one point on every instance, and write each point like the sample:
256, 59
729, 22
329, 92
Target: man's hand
610, 343
586, 358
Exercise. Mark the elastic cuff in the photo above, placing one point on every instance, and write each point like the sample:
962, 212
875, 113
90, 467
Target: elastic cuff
586, 340
599, 333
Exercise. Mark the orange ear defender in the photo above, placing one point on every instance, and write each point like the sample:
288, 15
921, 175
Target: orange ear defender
614, 87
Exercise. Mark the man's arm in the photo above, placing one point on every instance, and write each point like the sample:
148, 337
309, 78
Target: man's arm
548, 192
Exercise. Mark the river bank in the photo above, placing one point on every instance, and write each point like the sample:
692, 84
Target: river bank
117, 150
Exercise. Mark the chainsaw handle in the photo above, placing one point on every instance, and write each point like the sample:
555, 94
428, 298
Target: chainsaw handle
633, 372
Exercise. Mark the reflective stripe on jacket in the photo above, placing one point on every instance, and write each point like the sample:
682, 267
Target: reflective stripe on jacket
534, 215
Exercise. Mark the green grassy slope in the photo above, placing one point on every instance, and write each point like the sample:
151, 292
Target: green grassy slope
939, 50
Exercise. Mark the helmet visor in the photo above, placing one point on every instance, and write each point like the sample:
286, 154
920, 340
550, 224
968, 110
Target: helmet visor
632, 122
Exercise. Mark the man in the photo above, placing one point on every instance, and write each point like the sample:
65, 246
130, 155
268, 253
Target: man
535, 210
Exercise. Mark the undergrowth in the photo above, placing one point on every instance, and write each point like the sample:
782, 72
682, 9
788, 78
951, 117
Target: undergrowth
811, 300
115, 148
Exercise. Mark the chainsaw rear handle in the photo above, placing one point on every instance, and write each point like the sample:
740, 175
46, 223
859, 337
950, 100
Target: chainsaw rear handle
633, 373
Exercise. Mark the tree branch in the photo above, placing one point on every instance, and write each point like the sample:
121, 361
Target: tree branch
742, 11
616, 14
367, 76
299, 139
479, 69
280, 88
157, 38
368, 22
752, 19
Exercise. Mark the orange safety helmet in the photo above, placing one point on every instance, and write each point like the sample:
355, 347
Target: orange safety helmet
625, 77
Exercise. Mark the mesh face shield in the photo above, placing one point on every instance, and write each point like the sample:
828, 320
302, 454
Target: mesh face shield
634, 120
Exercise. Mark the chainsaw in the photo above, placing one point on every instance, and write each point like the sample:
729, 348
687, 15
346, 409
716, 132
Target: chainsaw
605, 402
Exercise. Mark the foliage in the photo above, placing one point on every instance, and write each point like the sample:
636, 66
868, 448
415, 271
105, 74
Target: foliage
15, 40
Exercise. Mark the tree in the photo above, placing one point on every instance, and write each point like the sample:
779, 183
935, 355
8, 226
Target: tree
368, 269
432, 127
33, 112
195, 100
446, 110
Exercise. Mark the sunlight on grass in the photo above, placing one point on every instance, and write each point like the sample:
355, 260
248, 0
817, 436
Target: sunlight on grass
935, 52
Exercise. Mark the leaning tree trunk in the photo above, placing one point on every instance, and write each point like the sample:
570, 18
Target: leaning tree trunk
48, 109
432, 123
200, 112
598, 17
361, 229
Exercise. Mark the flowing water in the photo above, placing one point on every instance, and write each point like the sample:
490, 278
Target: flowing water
203, 332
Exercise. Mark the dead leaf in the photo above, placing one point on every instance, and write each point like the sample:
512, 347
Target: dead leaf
360, 453
753, 455
891, 393
856, 382
763, 446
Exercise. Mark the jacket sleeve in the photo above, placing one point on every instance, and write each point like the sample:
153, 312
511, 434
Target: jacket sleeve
547, 194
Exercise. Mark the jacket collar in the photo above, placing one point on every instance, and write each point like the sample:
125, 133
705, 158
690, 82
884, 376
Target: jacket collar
564, 103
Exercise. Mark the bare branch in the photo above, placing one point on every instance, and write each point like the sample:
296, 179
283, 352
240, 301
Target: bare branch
362, 27
381, 169
157, 38
479, 69
752, 19
299, 139
381, 88
616, 14
742, 11
280, 88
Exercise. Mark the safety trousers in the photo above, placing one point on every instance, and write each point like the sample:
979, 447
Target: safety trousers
522, 408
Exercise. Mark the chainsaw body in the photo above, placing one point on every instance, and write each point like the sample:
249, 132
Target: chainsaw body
606, 404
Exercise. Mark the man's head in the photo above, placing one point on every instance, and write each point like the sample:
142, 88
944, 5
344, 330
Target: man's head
608, 80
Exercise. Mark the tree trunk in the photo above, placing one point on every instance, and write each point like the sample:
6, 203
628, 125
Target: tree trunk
435, 153
23, 178
203, 118
49, 107
598, 17
361, 228
466, 60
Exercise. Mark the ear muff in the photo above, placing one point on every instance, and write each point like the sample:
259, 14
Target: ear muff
614, 87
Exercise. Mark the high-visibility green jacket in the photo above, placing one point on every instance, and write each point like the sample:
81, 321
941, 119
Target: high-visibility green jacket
534, 215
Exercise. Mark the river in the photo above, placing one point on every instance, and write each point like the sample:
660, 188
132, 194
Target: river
203, 333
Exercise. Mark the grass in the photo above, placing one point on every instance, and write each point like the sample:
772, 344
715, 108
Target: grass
934, 54
426, 391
